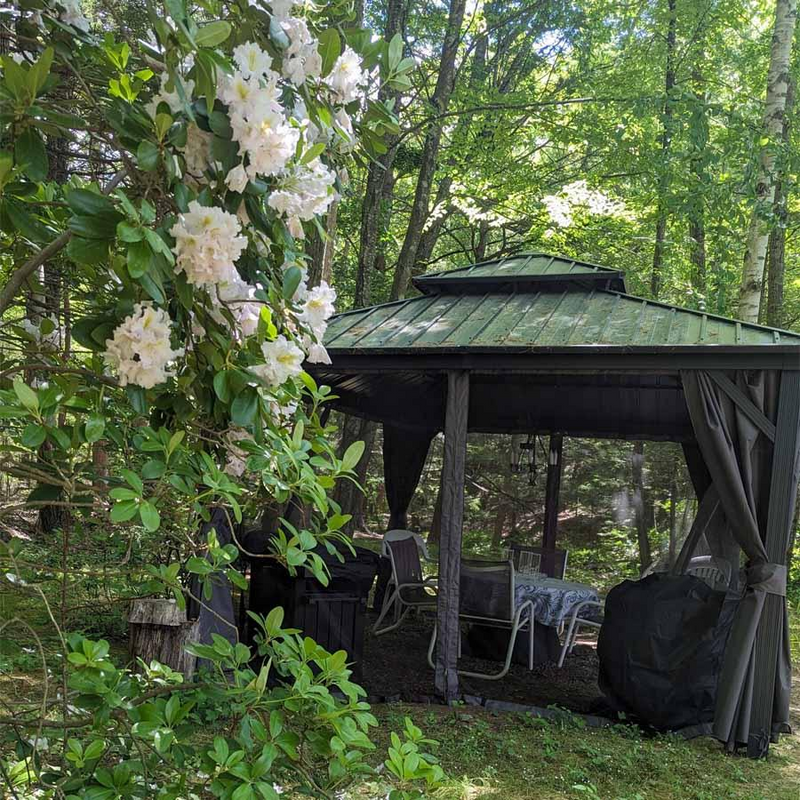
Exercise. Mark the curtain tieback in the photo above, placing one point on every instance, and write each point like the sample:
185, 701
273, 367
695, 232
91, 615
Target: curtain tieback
769, 578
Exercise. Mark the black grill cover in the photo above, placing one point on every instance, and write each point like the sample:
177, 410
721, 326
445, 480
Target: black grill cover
661, 647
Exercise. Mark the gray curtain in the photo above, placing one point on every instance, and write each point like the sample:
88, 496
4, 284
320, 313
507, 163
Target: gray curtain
738, 459
404, 454
216, 614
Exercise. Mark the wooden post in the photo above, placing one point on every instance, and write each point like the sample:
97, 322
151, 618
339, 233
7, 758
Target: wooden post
455, 452
782, 495
159, 631
551, 495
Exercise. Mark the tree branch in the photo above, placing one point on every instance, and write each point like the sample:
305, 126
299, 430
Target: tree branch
18, 278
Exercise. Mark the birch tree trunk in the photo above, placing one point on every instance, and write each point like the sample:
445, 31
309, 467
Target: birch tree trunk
774, 113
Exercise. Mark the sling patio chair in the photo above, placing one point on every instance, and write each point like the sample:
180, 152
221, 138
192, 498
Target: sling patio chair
555, 559
587, 614
487, 597
716, 573
410, 589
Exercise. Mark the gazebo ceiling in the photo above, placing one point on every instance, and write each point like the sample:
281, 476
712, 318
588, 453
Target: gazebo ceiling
552, 345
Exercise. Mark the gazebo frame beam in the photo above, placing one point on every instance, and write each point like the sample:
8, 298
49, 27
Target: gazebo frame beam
455, 453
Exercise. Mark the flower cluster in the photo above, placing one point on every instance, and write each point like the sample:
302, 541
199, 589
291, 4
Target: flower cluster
239, 298
207, 243
317, 310
257, 118
140, 350
346, 77
303, 192
283, 359
301, 59
170, 96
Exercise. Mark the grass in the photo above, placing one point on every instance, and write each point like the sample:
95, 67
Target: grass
514, 757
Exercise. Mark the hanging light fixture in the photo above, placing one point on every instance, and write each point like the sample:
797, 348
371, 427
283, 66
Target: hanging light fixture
530, 448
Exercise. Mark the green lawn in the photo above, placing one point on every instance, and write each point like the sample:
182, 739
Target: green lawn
514, 757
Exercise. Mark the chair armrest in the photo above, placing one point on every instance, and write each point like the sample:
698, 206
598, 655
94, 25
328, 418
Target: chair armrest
584, 604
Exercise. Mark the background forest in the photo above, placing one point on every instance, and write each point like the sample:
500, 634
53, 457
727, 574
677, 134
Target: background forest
627, 134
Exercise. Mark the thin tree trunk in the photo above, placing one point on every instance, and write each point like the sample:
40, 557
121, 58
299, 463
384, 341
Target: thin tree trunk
774, 113
776, 249
430, 151
697, 222
347, 495
666, 139
641, 506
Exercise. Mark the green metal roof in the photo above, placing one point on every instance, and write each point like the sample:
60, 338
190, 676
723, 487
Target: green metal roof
526, 268
507, 315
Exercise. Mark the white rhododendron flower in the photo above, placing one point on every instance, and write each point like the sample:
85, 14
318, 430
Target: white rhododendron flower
303, 192
207, 243
346, 77
140, 349
317, 354
283, 359
239, 297
301, 59
282, 9
236, 463
252, 61
318, 307
236, 179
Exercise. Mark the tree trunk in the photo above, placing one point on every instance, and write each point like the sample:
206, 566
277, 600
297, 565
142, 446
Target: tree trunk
666, 139
696, 201
774, 114
349, 496
776, 249
430, 151
378, 180
641, 508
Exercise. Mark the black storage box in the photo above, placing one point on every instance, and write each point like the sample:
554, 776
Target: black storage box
333, 616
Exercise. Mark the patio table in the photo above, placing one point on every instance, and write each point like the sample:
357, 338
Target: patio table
553, 599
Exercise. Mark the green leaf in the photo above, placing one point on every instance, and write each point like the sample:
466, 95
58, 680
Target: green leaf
130, 233
93, 226
244, 408
84, 202
139, 258
153, 469
124, 511
26, 395
95, 426
147, 156
132, 479
87, 251
395, 51
205, 72
291, 280
222, 387
31, 154
37, 75
213, 34
352, 455
150, 516
220, 124
137, 397
33, 436
330, 48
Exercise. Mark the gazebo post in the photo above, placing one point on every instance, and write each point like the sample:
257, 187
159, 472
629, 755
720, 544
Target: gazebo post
455, 451
551, 497
782, 496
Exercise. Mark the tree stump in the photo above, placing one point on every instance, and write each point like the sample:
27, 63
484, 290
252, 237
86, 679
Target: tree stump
159, 631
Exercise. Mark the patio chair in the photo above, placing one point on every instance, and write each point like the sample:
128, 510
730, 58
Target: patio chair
397, 534
410, 588
487, 597
557, 559
716, 573
580, 619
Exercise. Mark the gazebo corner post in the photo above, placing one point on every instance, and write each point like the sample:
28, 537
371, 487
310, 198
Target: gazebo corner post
455, 453
551, 502
771, 635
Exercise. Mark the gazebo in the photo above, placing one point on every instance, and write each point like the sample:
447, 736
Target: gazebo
542, 344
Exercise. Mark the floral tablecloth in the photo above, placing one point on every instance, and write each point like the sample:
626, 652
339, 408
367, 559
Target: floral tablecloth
553, 599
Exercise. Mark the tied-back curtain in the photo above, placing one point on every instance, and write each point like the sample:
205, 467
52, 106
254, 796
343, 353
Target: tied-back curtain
738, 457
404, 454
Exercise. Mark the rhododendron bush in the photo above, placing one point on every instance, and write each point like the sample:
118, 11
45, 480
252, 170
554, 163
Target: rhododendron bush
175, 349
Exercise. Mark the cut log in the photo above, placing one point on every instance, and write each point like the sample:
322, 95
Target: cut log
159, 631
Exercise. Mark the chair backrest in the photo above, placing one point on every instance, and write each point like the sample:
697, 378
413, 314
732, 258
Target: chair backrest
486, 590
716, 573
553, 562
406, 566
397, 535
